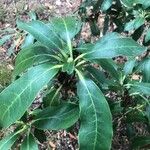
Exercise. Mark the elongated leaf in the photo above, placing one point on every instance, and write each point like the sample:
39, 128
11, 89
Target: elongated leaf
43, 33
134, 24
129, 65
141, 88
112, 45
106, 5
97, 74
29, 143
56, 118
144, 67
17, 97
8, 141
30, 56
147, 37
52, 97
127, 3
29, 39
66, 27
96, 123
141, 142
110, 66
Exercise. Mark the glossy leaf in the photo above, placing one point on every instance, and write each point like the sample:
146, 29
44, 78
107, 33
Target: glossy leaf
134, 24
97, 74
7, 142
144, 67
110, 66
52, 97
147, 37
58, 117
43, 33
141, 88
106, 5
29, 39
32, 55
29, 143
17, 97
95, 118
113, 45
68, 66
66, 27
129, 65
127, 3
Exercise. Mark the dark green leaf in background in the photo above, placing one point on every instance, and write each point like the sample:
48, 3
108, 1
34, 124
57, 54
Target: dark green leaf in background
141, 142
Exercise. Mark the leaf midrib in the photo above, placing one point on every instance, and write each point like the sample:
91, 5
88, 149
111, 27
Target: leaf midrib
82, 80
18, 96
32, 57
29, 26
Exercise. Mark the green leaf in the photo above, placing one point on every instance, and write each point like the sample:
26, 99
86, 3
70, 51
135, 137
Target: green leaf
141, 142
147, 37
29, 143
106, 5
32, 15
52, 97
97, 74
141, 88
32, 55
7, 142
136, 116
129, 65
145, 3
134, 24
127, 3
144, 67
57, 117
113, 45
95, 117
4, 39
29, 39
43, 33
17, 97
66, 27
68, 66
110, 66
